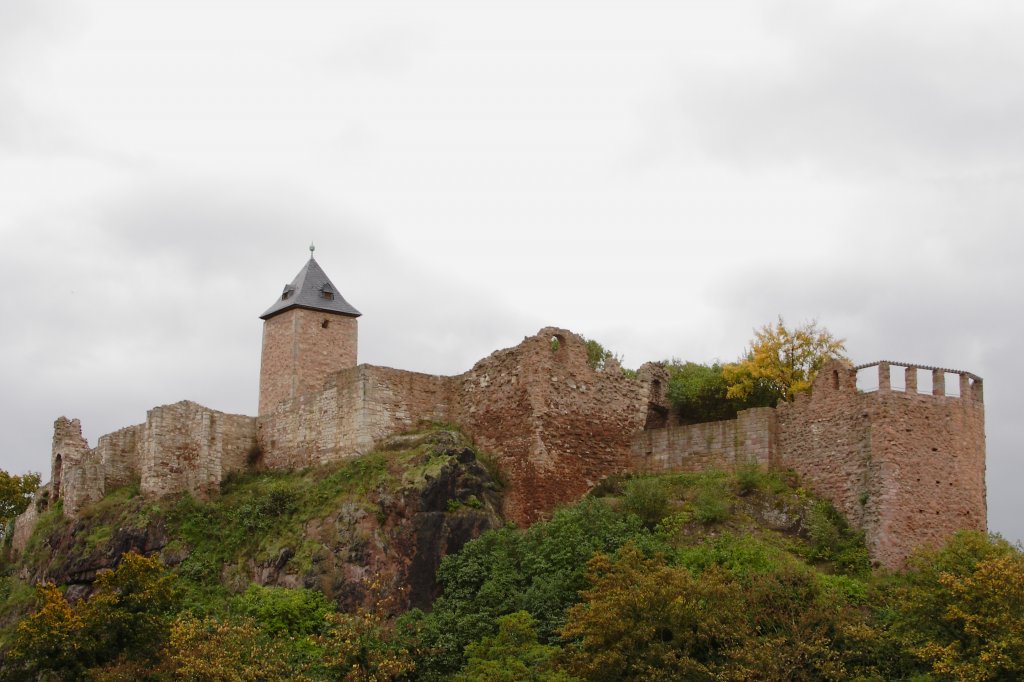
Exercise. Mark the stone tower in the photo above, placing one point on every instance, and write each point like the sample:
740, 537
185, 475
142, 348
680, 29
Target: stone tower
309, 333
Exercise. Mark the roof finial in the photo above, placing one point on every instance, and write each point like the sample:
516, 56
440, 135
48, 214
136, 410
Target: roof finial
312, 248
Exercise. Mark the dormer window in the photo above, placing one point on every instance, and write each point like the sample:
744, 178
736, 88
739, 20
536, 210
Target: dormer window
327, 292
287, 293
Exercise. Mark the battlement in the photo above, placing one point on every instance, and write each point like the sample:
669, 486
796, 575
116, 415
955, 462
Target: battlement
970, 385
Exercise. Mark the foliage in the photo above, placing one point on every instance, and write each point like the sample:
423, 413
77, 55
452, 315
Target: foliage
539, 570
127, 617
283, 611
960, 610
711, 502
363, 646
781, 363
598, 356
699, 392
15, 494
203, 649
512, 655
646, 620
48, 641
832, 539
648, 498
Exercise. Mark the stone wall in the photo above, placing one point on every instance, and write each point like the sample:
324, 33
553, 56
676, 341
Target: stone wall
25, 522
75, 472
696, 447
555, 424
300, 349
353, 410
188, 447
180, 447
909, 469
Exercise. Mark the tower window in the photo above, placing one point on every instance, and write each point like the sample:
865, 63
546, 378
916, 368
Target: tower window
324, 324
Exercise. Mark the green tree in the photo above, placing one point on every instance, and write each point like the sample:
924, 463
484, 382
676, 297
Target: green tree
699, 392
208, 650
781, 362
50, 641
960, 609
512, 655
540, 570
130, 610
645, 620
15, 494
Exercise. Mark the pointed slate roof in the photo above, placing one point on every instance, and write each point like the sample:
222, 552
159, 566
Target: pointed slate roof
311, 289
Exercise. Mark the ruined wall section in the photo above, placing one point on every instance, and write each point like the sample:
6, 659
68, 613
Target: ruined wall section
356, 408
180, 447
724, 444
188, 447
300, 348
76, 473
25, 522
556, 425
118, 456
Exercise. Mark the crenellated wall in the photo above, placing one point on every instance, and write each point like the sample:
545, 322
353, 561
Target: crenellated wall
907, 468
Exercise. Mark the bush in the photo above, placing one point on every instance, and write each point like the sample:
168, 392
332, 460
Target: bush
648, 498
711, 502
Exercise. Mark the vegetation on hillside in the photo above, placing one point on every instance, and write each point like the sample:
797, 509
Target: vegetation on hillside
712, 576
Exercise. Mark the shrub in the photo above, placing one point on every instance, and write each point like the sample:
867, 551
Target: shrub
648, 498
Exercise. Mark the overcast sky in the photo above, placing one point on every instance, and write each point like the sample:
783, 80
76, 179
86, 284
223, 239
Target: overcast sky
660, 176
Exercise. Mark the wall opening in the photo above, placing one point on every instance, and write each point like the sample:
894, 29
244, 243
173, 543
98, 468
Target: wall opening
56, 476
325, 324
952, 385
867, 379
835, 379
924, 382
557, 343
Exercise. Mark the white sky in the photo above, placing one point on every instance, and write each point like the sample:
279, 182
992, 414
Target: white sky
661, 176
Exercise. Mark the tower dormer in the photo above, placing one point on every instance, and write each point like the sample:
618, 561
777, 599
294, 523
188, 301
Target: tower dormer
309, 333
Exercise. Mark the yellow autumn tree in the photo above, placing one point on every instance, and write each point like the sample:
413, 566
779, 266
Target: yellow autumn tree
781, 362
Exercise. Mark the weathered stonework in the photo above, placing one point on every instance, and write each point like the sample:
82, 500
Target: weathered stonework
555, 424
909, 469
300, 348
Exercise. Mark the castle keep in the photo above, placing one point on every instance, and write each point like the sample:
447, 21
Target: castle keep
907, 467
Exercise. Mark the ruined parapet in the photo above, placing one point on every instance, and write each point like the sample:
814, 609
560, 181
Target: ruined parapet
188, 447
25, 522
180, 447
76, 476
556, 424
907, 467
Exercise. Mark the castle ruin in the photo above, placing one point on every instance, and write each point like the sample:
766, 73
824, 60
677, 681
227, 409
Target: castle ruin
908, 468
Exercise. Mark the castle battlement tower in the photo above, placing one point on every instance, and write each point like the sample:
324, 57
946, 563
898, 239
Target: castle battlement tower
308, 334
